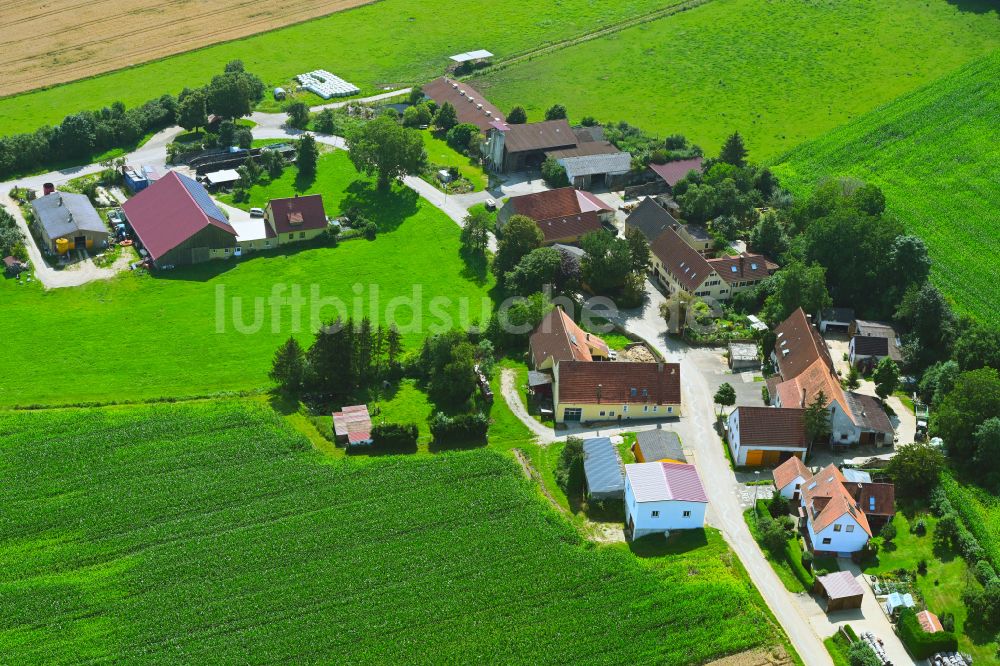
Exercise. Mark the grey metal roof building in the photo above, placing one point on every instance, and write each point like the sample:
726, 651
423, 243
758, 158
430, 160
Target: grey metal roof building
596, 165
658, 444
70, 216
603, 468
65, 213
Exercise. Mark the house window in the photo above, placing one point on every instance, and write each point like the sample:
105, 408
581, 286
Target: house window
645, 408
655, 407
655, 514
267, 243
670, 410
633, 392
850, 528
837, 528
302, 234
611, 413
624, 408
687, 514
603, 412
844, 436
826, 541
291, 236
227, 250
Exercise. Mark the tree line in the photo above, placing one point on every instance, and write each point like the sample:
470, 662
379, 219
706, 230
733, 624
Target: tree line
86, 133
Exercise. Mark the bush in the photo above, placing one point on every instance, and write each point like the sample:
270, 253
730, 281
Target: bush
765, 395
947, 621
984, 572
807, 560
778, 505
369, 229
772, 534
920, 527
463, 428
862, 654
554, 173
569, 469
888, 532
940, 505
395, 437
922, 567
920, 643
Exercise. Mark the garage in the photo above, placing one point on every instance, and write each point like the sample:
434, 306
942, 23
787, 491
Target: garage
761, 457
572, 414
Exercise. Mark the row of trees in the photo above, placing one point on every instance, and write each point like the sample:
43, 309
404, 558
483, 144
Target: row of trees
229, 95
344, 356
11, 240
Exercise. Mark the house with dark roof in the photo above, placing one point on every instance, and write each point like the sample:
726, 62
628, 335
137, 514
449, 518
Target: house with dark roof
557, 338
835, 320
658, 445
603, 471
766, 435
591, 392
661, 497
177, 222
68, 221
671, 172
806, 371
650, 218
871, 341
680, 267
563, 215
470, 105
521, 147
296, 218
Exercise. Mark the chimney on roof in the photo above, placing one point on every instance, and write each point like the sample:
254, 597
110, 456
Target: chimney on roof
599, 386
803, 404
743, 261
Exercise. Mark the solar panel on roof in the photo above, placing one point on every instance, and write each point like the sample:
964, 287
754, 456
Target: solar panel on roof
202, 198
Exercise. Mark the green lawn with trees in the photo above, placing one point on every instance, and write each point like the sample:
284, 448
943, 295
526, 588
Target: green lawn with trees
415, 38
129, 548
781, 72
139, 336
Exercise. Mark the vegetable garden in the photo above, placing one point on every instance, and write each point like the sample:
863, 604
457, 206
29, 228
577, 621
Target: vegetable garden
178, 533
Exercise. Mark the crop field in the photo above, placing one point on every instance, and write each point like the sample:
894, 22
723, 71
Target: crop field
936, 155
176, 533
211, 328
980, 511
781, 72
390, 43
63, 40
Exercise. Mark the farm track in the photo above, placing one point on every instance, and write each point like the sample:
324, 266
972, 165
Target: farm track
664, 12
170, 27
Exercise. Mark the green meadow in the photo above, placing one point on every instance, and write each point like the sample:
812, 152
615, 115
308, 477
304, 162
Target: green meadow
212, 328
182, 533
385, 44
936, 155
781, 72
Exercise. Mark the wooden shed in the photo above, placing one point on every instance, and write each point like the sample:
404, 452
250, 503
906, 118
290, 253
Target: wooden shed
840, 590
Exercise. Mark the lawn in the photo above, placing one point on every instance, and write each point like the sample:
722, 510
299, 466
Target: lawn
944, 583
335, 176
781, 72
387, 44
178, 533
788, 564
936, 155
139, 337
440, 154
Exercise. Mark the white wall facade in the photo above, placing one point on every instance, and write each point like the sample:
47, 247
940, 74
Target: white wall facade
670, 515
793, 487
740, 452
845, 534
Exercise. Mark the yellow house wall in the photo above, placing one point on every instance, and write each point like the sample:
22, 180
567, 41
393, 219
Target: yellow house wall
635, 411
293, 237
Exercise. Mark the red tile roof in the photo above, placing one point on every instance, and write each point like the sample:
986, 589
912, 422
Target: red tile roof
681, 260
743, 267
558, 336
298, 213
771, 426
671, 172
929, 622
806, 386
788, 471
653, 383
798, 345
826, 499
563, 213
443, 90
170, 211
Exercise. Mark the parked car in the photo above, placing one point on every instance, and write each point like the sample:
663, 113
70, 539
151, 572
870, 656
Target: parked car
490, 204
256, 212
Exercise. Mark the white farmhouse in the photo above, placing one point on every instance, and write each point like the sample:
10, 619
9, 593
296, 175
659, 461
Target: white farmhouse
663, 496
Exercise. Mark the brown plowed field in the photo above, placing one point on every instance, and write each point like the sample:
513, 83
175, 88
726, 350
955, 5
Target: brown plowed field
43, 43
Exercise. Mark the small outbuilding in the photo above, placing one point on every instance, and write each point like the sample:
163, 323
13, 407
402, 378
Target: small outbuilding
658, 445
223, 178
68, 221
603, 470
929, 622
353, 426
840, 590
835, 320
897, 601
743, 356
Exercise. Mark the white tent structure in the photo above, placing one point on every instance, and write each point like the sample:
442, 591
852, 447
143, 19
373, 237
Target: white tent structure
326, 85
481, 54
